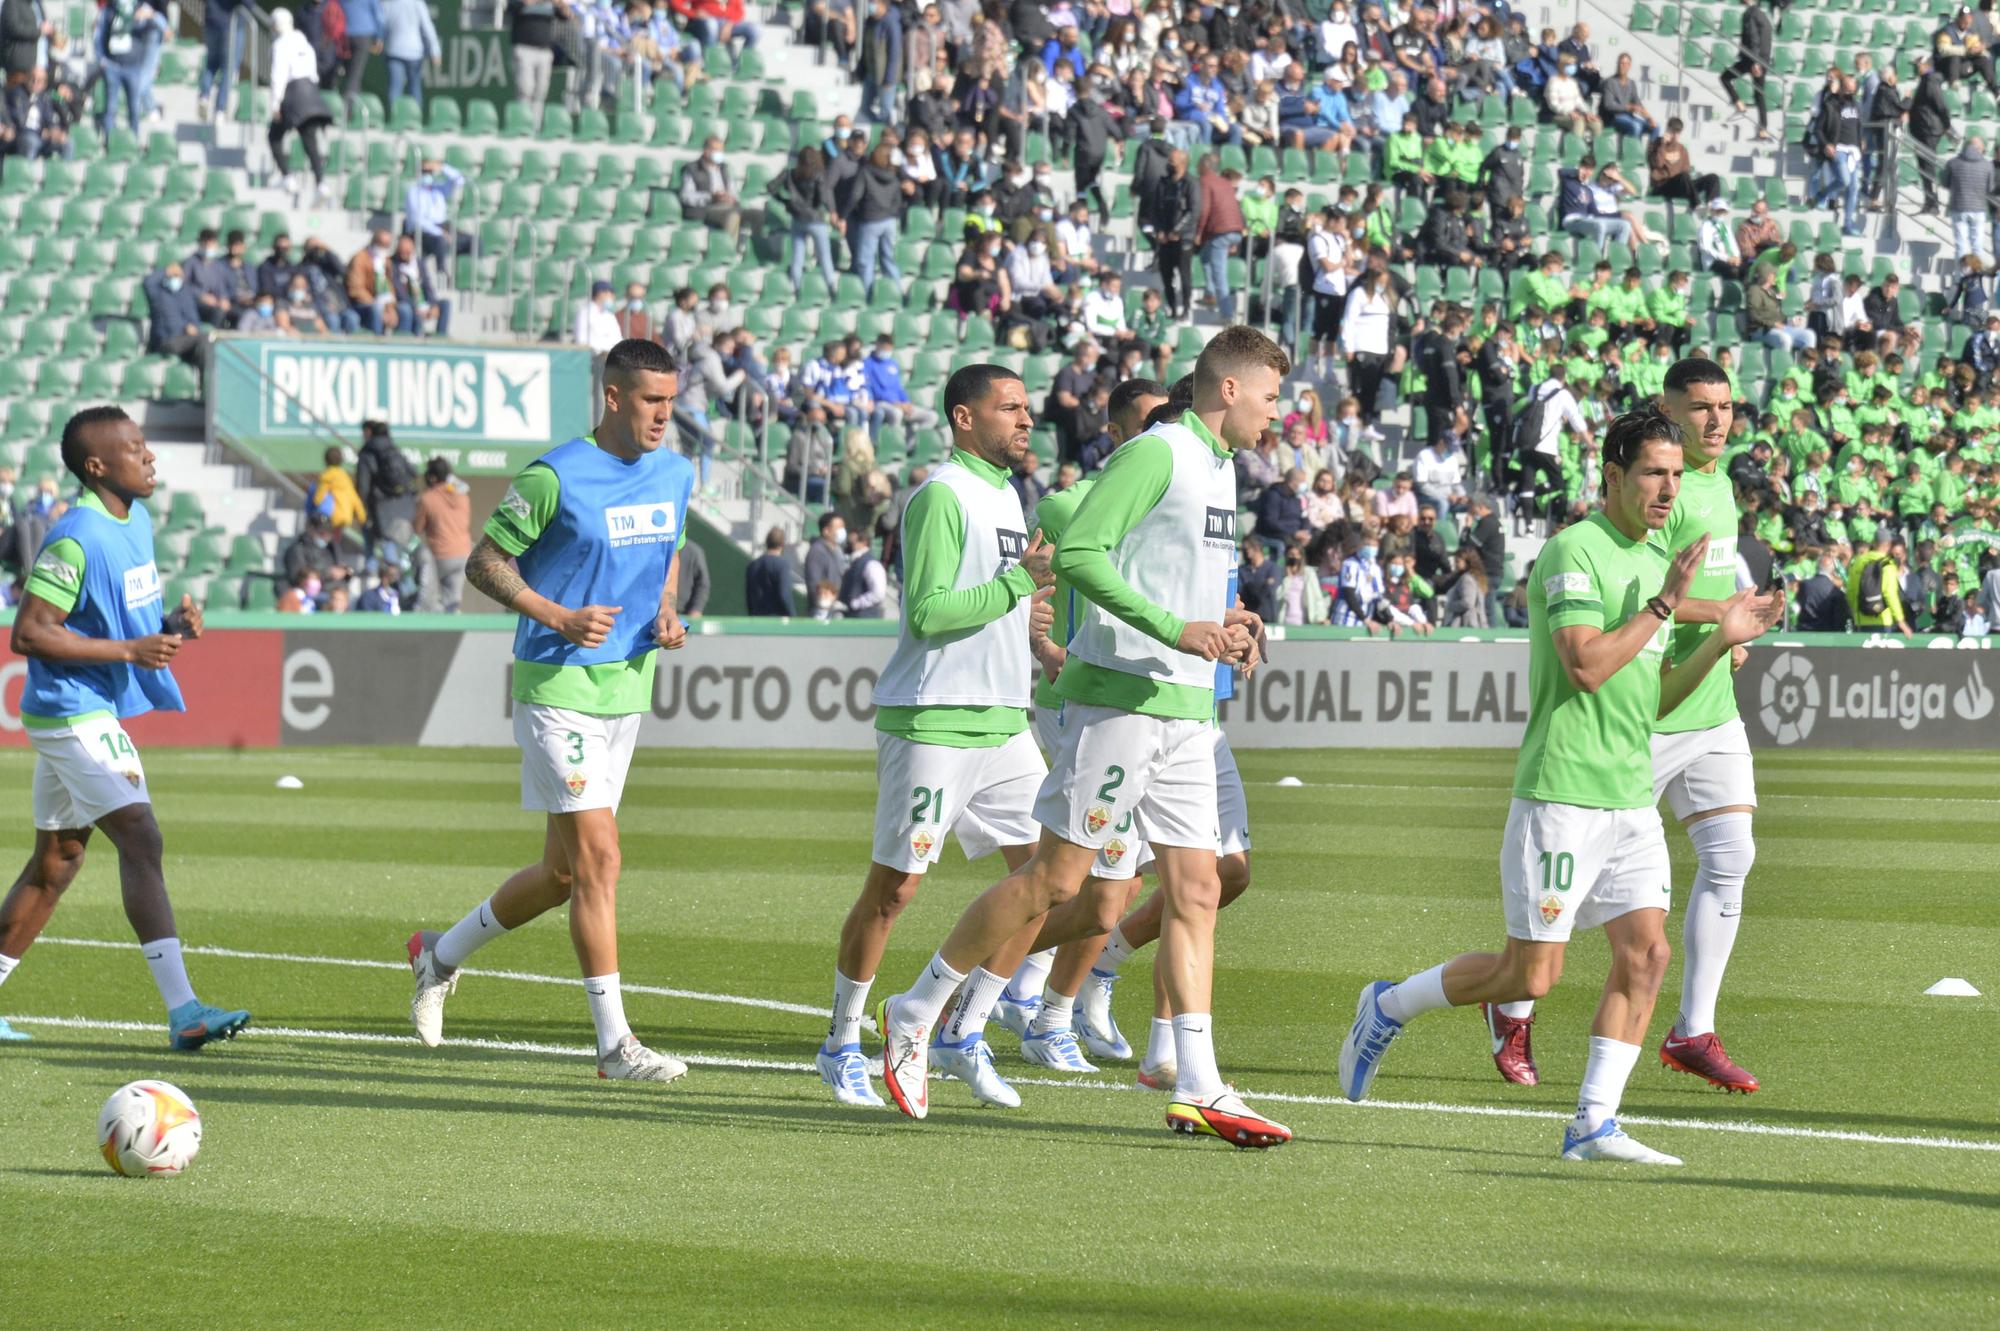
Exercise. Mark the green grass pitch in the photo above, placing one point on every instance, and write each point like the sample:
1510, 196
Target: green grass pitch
362, 1182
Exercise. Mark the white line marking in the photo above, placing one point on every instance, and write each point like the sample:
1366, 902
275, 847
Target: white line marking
527, 977
1328, 1101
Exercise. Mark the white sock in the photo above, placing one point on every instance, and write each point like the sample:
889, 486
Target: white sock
7, 965
1194, 1053
1421, 993
1160, 1044
1604, 1078
1032, 974
975, 1005
1055, 1013
1518, 1011
1116, 953
607, 1010
850, 1001
919, 1005
1724, 851
466, 937
163, 958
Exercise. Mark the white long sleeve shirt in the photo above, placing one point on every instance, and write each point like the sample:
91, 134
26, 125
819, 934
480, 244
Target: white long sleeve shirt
1365, 327
596, 328
292, 58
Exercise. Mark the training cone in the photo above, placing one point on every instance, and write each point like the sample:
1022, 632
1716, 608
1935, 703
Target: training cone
1952, 987
290, 783
1290, 781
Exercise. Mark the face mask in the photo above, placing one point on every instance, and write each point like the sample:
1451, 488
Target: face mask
1366, 552
719, 305
210, 251
838, 536
635, 305
265, 308
1037, 248
1231, 10
993, 251
1569, 69
1395, 571
301, 297
311, 589
880, 354
426, 179
173, 284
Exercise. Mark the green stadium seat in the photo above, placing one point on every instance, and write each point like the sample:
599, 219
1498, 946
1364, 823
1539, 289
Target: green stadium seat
482, 118
444, 115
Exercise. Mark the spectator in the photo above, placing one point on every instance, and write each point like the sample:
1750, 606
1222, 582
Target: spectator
706, 390
326, 285
809, 457
1930, 122
301, 316
296, 104
1466, 593
872, 203
23, 29
881, 62
1874, 588
274, 274
864, 584
1618, 99
264, 316
1670, 171
532, 27
1961, 51
694, 581
884, 378
1366, 331
302, 593
1720, 253
596, 325
173, 326
443, 523
706, 193
1281, 514
1257, 470
1400, 500
1299, 598
427, 205
386, 596
1754, 37
1822, 599
368, 284
1218, 231
1968, 181
364, 38
38, 121
388, 486
1439, 473
417, 303
126, 37
311, 554
1758, 233
222, 40
1170, 216
210, 276
1361, 584
1257, 580
1562, 96
409, 38
1765, 318
767, 582
1068, 395
808, 202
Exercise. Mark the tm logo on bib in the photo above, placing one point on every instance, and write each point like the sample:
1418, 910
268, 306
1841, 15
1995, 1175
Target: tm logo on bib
142, 584
640, 524
1013, 544
1221, 525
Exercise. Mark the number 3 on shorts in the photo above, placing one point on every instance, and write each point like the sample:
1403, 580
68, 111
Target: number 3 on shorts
575, 742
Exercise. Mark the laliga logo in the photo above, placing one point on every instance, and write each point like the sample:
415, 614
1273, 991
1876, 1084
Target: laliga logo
1788, 702
1790, 699
1972, 700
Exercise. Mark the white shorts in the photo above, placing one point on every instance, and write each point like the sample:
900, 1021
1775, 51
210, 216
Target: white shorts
1119, 777
1563, 867
1700, 770
1124, 857
572, 761
83, 772
1232, 807
922, 791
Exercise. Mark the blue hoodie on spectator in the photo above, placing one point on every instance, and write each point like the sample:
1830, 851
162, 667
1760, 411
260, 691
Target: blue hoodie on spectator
364, 19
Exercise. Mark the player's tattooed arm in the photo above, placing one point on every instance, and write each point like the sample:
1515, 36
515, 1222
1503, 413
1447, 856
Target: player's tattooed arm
489, 569
492, 571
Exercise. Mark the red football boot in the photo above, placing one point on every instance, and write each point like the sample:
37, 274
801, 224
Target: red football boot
1513, 1051
1702, 1055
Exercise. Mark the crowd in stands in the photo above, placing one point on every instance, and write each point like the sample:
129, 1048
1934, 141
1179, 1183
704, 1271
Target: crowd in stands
383, 538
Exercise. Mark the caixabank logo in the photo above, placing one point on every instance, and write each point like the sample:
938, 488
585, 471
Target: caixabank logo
1863, 697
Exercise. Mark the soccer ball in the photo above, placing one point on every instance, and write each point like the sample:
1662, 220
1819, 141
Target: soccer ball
149, 1129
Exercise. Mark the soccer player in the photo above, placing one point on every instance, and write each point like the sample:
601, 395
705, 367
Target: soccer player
1701, 755
1039, 1001
595, 526
952, 748
1081, 975
1149, 549
1584, 844
98, 651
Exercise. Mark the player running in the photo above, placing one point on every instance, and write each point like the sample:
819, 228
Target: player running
1701, 755
98, 651
596, 527
1069, 992
1584, 844
1149, 549
952, 748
